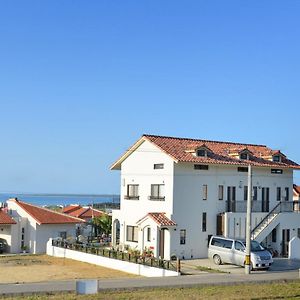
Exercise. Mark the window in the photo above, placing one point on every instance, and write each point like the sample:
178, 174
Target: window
221, 192
286, 194
132, 192
201, 152
274, 233
277, 158
278, 194
276, 171
239, 246
23, 237
244, 156
182, 236
132, 233
201, 167
158, 166
242, 169
148, 234
204, 222
157, 192
63, 235
222, 243
245, 192
255, 193
204, 191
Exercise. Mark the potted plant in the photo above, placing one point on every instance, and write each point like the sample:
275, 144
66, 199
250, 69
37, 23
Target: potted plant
24, 248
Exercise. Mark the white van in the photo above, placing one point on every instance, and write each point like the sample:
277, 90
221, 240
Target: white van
233, 251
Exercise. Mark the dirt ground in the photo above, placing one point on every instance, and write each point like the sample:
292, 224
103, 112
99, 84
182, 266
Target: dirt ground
38, 268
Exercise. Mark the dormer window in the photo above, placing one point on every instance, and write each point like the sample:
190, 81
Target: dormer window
244, 156
277, 158
202, 152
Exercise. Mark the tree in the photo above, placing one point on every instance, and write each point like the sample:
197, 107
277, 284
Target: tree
103, 224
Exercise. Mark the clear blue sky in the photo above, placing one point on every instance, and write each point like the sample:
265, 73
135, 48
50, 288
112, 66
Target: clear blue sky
80, 81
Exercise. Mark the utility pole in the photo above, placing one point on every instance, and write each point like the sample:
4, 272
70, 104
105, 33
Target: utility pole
248, 228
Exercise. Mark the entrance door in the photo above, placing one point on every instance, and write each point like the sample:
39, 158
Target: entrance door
285, 242
265, 197
220, 224
162, 243
231, 197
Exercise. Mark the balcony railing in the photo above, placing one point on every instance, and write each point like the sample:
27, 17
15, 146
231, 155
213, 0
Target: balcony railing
156, 198
261, 206
131, 197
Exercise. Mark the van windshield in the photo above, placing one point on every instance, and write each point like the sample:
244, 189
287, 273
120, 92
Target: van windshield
255, 246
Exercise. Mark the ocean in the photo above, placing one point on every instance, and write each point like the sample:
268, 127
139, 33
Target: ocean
61, 199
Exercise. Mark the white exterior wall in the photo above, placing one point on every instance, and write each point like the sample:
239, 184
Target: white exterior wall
46, 231
189, 204
138, 169
184, 202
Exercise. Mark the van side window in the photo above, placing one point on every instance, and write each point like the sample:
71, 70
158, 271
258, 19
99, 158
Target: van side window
221, 243
227, 244
239, 246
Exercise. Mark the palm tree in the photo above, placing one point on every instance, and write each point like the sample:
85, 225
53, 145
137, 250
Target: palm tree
103, 224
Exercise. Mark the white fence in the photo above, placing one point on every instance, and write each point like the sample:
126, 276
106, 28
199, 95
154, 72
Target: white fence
111, 263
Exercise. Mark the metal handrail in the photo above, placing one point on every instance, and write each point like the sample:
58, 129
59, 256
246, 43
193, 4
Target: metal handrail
266, 217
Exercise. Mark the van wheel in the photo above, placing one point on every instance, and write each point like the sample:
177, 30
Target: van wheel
217, 259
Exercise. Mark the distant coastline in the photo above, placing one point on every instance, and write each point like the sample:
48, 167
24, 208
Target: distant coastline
61, 199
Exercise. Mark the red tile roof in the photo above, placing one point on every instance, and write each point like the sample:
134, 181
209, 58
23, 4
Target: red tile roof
46, 216
69, 208
180, 150
160, 218
5, 219
86, 213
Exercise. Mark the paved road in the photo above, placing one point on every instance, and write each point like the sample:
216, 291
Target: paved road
280, 264
143, 282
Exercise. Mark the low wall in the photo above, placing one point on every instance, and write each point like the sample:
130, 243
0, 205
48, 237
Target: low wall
111, 263
294, 248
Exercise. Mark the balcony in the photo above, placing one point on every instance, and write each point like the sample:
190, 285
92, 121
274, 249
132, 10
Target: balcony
261, 206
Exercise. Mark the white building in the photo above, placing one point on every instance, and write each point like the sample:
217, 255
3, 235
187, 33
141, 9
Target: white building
177, 192
30, 226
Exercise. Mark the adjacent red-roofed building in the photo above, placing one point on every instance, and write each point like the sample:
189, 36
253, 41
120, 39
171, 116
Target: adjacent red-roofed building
7, 227
176, 193
86, 212
34, 225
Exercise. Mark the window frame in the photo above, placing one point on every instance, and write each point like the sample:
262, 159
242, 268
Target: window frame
202, 151
221, 192
134, 196
201, 167
161, 193
204, 192
204, 221
278, 193
148, 234
182, 236
133, 233
159, 166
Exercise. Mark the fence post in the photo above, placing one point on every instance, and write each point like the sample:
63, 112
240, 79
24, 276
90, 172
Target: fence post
151, 262
178, 265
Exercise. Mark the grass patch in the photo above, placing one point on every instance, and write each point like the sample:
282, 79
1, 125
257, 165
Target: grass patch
280, 290
209, 270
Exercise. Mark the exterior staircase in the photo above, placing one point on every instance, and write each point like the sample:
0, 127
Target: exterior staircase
267, 224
